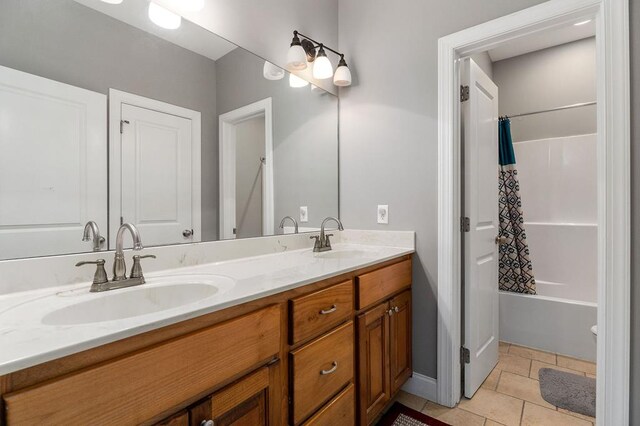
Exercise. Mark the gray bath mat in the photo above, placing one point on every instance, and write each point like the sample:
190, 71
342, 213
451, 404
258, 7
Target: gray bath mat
569, 391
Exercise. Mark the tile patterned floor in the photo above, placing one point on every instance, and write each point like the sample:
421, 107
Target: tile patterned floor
511, 394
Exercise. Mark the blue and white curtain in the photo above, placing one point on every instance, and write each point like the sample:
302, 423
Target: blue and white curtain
515, 271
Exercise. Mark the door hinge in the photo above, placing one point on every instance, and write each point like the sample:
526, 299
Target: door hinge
465, 355
122, 123
464, 93
465, 224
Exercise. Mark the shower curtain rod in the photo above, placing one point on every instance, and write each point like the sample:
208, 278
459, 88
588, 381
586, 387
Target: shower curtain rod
581, 104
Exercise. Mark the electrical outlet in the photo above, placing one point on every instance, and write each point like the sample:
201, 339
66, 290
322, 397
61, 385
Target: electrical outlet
383, 213
304, 214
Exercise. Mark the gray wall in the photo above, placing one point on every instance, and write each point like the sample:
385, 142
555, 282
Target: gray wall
388, 129
549, 78
305, 131
67, 42
635, 216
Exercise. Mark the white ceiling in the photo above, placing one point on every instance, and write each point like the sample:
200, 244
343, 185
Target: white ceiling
188, 36
542, 40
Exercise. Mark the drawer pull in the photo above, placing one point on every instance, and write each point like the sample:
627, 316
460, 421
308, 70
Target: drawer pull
206, 423
331, 370
333, 308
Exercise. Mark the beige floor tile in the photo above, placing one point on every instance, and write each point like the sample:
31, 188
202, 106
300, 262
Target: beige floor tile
411, 400
490, 422
503, 347
533, 354
522, 388
580, 416
495, 406
537, 365
435, 410
535, 415
514, 364
491, 382
458, 417
577, 364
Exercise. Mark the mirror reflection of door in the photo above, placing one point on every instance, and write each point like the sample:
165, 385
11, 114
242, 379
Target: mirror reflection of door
158, 170
250, 155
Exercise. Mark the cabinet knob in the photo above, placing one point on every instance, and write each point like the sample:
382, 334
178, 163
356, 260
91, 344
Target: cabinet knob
390, 312
396, 309
206, 423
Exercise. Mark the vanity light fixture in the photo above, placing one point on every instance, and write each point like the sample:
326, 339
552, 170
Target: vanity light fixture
163, 17
295, 81
302, 52
272, 72
191, 5
112, 1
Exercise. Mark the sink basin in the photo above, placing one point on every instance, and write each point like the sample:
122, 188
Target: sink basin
345, 254
158, 294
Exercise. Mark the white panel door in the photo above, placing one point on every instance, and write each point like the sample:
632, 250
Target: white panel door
156, 183
480, 133
53, 165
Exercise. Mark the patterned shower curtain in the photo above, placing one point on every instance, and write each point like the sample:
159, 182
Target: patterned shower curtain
516, 271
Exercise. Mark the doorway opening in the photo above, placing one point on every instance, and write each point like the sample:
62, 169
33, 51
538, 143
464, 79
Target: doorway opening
241, 203
610, 146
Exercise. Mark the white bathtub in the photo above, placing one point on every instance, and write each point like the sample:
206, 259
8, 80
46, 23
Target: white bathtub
549, 323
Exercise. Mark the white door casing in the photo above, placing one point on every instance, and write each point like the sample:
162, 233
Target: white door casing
155, 166
53, 168
480, 183
227, 130
613, 81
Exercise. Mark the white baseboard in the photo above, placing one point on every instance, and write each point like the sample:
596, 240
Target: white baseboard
423, 386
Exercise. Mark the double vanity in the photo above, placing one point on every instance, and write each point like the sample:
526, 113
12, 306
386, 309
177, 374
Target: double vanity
284, 336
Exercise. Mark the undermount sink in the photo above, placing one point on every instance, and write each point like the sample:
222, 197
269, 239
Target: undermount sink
156, 295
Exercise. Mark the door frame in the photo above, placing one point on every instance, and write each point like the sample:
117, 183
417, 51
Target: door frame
613, 115
116, 99
227, 129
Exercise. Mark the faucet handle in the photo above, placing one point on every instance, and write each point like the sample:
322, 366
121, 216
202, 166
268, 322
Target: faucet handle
136, 269
100, 277
317, 243
327, 242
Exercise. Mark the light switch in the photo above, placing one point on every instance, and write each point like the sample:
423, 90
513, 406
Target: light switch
304, 214
383, 213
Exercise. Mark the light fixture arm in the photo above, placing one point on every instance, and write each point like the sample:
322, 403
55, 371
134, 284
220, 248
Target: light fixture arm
317, 44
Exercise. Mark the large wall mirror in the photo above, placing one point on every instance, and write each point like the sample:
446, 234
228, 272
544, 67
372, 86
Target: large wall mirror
106, 117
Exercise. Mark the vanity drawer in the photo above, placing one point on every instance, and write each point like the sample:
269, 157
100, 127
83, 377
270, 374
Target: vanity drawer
378, 285
318, 312
339, 411
320, 369
137, 387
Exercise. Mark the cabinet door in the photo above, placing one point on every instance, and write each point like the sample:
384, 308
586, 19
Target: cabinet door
373, 370
400, 340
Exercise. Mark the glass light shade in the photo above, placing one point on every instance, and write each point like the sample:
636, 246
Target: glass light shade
192, 5
272, 72
164, 18
295, 81
342, 76
322, 68
296, 58
112, 1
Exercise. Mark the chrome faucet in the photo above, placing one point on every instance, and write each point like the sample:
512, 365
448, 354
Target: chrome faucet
92, 228
322, 241
119, 265
295, 223
120, 280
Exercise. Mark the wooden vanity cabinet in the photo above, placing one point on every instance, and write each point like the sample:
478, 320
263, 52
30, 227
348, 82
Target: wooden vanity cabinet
384, 337
333, 352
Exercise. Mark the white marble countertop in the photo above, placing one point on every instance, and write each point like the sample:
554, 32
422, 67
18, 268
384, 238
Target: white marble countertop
26, 339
